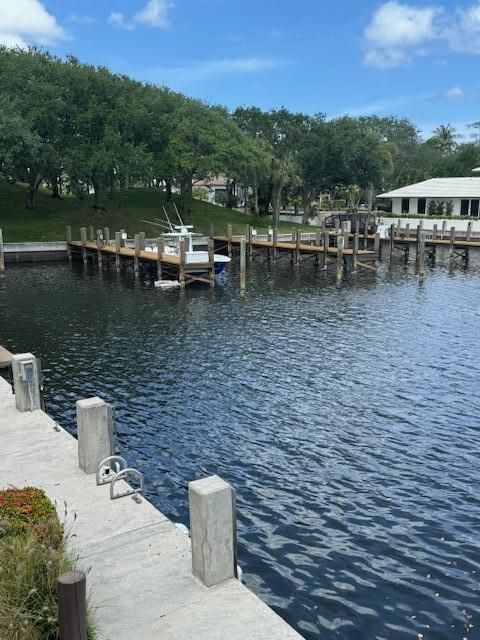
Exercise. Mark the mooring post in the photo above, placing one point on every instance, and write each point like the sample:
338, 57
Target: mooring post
136, 257
377, 245
421, 254
365, 234
444, 228
318, 238
95, 428
83, 239
99, 247
242, 264
468, 237
435, 232
212, 530
26, 382
68, 236
2, 253
142, 240
183, 260
298, 240
229, 240
118, 244
160, 250
392, 238
452, 242
407, 230
275, 243
72, 605
356, 239
337, 225
326, 246
92, 233
248, 238
211, 260
106, 235
340, 246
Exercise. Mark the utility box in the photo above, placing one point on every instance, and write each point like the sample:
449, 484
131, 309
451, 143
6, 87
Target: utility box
26, 382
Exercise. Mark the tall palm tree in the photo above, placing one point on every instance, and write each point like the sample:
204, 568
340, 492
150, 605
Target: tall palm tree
445, 135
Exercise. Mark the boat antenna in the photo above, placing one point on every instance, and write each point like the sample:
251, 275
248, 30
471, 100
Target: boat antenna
168, 219
178, 215
157, 223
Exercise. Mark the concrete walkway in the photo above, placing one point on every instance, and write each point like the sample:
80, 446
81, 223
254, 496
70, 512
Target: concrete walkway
140, 582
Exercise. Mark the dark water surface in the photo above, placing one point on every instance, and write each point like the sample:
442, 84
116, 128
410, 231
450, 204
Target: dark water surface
347, 418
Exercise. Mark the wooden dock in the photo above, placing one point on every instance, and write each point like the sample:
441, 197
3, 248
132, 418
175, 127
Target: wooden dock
168, 266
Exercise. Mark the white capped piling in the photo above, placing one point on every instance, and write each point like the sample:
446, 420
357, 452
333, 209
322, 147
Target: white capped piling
72, 605
212, 530
2, 253
26, 382
242, 264
95, 427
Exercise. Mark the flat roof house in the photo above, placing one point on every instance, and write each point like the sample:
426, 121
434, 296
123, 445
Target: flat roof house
438, 196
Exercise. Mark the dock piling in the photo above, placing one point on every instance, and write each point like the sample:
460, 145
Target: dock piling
212, 530
274, 243
106, 235
2, 253
356, 239
340, 246
160, 250
469, 232
183, 260
26, 382
136, 257
83, 239
95, 428
72, 605
242, 264
421, 254
68, 236
211, 260
118, 244
91, 233
229, 240
452, 242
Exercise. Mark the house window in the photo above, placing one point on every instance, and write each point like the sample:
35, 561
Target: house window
474, 206
405, 205
464, 205
422, 205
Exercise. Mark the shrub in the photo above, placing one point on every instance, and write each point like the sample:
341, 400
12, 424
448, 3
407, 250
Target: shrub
32, 556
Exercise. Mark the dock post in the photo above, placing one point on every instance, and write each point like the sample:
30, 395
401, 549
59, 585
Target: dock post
444, 228
106, 235
274, 243
211, 260
452, 242
136, 257
68, 235
118, 244
248, 239
142, 240
298, 239
160, 250
212, 529
340, 246
392, 239
365, 235
421, 254
91, 233
242, 264
2, 253
326, 245
72, 605
468, 237
99, 242
95, 428
229, 240
356, 239
212, 230
26, 382
407, 230
376, 245
435, 231
181, 267
83, 238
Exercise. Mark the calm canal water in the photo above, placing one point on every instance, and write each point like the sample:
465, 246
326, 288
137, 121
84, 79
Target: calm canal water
347, 418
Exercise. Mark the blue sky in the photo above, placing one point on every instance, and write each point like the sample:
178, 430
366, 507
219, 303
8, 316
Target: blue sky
415, 59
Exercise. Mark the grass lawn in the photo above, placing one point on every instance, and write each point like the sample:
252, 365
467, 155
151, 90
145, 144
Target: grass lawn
125, 211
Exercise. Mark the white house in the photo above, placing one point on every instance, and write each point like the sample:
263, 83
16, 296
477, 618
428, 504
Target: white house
438, 196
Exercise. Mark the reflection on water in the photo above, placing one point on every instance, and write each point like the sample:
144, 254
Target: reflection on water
346, 418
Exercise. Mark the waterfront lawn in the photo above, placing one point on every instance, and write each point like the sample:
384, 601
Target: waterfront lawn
127, 210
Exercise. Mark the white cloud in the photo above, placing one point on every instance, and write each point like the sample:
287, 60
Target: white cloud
398, 32
83, 21
153, 14
207, 69
25, 22
464, 35
118, 20
455, 94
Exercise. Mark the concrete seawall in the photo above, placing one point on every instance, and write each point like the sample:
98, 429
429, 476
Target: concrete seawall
140, 564
18, 252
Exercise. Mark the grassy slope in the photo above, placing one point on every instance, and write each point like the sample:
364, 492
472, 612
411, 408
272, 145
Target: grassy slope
126, 211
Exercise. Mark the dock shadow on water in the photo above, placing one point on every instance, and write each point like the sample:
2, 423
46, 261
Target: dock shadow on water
347, 418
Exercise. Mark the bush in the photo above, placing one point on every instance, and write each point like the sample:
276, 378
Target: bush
32, 556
